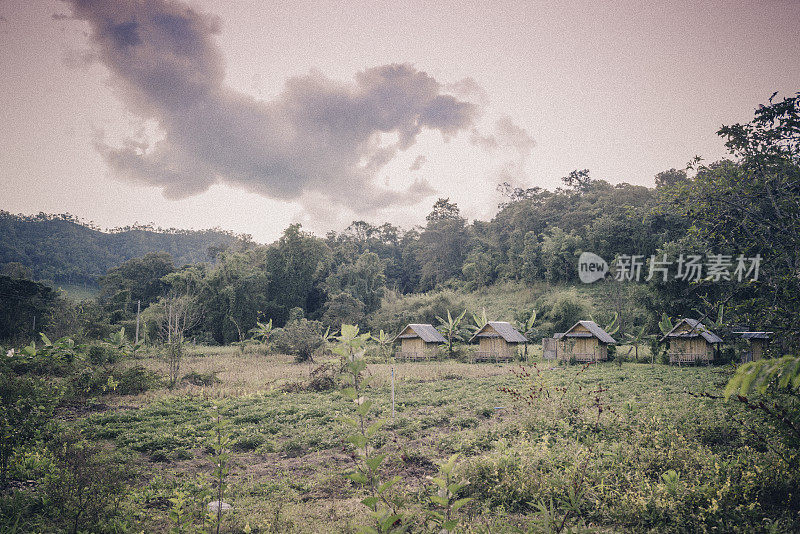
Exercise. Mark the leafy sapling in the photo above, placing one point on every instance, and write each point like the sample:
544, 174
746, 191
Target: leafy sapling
443, 502
383, 506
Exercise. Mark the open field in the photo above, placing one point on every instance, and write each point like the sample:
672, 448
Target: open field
655, 459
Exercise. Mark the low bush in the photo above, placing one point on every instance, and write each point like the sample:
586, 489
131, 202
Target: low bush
137, 379
103, 354
201, 379
84, 489
322, 378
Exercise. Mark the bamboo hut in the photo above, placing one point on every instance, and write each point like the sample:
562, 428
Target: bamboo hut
691, 342
418, 342
497, 341
756, 345
586, 341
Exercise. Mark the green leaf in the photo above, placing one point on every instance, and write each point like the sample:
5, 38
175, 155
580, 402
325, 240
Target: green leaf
388, 522
363, 408
358, 440
375, 462
758, 376
441, 501
388, 484
349, 421
358, 478
374, 427
438, 516
454, 488
370, 502
459, 503
439, 482
447, 468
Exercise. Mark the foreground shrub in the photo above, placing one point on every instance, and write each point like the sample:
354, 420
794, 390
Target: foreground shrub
137, 380
26, 404
300, 338
85, 487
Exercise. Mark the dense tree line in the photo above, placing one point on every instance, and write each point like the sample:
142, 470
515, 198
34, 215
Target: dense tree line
746, 206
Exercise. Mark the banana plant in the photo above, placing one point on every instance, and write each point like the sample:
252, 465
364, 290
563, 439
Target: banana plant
451, 329
526, 328
613, 327
384, 342
327, 339
262, 331
665, 324
717, 323
635, 340
119, 342
63, 348
479, 321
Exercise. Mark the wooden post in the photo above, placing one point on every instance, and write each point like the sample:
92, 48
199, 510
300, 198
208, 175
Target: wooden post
138, 309
393, 393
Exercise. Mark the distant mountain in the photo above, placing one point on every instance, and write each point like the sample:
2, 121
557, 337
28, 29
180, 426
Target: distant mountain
65, 250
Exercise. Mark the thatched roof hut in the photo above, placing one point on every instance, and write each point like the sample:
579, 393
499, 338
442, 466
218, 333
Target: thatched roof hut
585, 341
690, 341
418, 342
497, 341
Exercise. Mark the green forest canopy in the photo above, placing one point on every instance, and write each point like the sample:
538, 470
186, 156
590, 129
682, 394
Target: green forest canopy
748, 205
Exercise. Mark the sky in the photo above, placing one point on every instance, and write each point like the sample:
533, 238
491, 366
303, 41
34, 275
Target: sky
251, 116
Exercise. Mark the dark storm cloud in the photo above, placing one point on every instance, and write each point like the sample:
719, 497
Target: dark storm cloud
319, 137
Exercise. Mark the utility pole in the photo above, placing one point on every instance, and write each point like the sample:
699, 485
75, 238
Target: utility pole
138, 309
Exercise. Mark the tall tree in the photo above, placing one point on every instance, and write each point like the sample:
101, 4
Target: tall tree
442, 245
298, 265
363, 280
751, 208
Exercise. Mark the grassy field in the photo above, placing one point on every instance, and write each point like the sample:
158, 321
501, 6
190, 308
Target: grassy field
625, 448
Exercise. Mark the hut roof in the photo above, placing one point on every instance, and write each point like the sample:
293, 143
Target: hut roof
697, 329
504, 330
594, 330
426, 332
754, 335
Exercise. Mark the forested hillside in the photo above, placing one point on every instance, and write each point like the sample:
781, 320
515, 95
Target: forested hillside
64, 250
722, 214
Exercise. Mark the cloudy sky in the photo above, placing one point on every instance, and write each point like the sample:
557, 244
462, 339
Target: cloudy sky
251, 115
